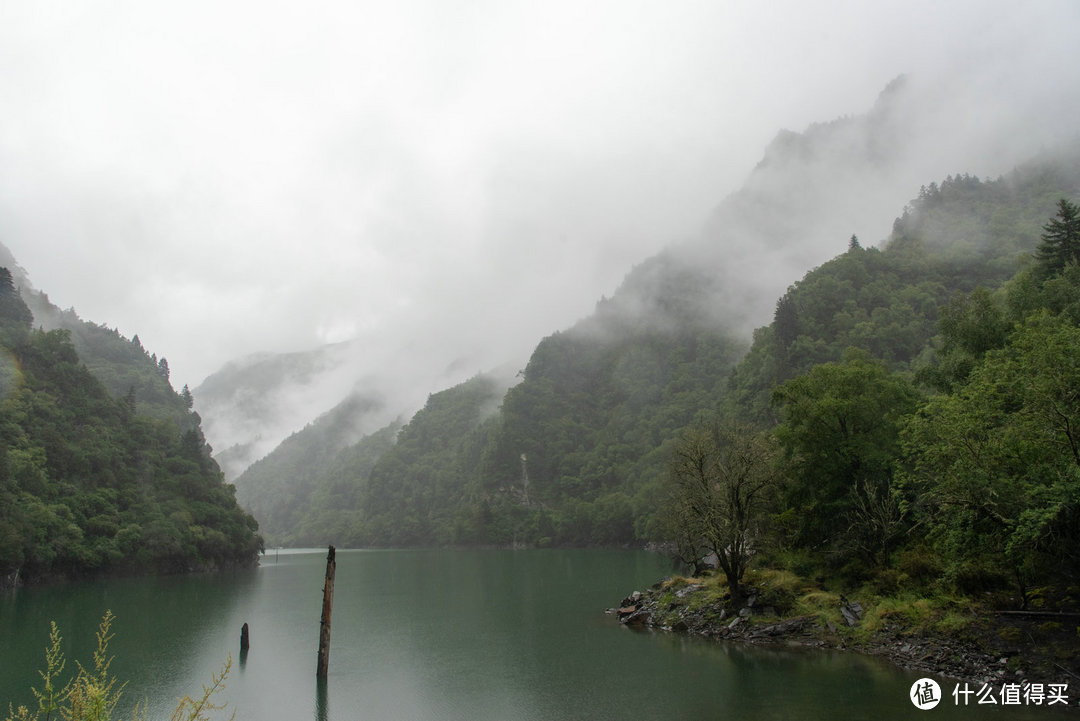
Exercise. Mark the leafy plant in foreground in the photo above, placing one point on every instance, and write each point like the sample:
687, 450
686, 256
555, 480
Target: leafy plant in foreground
93, 694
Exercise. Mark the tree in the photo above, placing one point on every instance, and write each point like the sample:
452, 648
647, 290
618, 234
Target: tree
12, 307
997, 464
970, 325
721, 479
841, 428
1061, 239
786, 320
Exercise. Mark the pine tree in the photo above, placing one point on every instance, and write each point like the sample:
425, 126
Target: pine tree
1061, 239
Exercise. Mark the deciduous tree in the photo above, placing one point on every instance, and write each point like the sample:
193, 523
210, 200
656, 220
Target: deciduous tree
722, 478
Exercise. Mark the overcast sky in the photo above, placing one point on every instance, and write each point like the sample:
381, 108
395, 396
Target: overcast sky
230, 176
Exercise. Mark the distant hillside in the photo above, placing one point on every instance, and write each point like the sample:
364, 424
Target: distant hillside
281, 488
243, 403
319, 486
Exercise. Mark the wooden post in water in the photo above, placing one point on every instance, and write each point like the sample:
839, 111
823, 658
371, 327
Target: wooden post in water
324, 625
245, 644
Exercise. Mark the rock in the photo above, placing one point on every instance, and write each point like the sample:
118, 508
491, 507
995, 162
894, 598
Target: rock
751, 601
684, 592
744, 612
638, 618
680, 626
852, 612
735, 623
831, 625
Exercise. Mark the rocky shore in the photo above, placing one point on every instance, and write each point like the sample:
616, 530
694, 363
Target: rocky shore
989, 651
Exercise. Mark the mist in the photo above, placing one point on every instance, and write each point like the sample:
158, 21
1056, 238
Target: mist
436, 186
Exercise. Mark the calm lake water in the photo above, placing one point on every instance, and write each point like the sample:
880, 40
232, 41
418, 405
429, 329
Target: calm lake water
419, 635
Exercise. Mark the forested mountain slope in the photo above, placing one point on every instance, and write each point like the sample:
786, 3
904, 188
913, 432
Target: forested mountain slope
796, 209
302, 473
93, 481
122, 365
322, 485
952, 238
579, 451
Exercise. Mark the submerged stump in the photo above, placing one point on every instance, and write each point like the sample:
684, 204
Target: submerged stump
323, 665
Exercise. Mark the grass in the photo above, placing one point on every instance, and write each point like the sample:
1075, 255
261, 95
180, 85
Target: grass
793, 595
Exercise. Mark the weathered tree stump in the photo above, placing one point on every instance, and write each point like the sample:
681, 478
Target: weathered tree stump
245, 638
322, 668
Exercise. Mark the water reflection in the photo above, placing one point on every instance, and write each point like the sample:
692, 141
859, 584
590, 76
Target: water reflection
418, 635
322, 706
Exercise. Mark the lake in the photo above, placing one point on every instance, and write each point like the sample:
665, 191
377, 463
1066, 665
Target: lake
440, 634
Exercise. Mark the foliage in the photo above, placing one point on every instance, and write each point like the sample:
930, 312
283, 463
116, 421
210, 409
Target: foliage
997, 464
841, 436
721, 482
197, 709
1060, 244
89, 485
93, 694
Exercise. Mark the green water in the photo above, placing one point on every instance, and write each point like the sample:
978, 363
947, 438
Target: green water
419, 635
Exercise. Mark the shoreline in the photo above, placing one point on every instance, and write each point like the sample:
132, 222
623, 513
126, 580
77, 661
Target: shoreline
988, 650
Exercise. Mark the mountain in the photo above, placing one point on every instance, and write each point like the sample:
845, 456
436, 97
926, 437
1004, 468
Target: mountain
880, 370
244, 402
809, 193
578, 451
283, 485
103, 467
318, 483
252, 404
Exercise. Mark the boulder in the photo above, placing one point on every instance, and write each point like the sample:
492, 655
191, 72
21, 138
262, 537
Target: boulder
852, 612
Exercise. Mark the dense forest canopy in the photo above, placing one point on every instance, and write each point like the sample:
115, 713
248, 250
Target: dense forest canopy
96, 479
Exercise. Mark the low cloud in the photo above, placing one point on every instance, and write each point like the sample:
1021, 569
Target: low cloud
445, 183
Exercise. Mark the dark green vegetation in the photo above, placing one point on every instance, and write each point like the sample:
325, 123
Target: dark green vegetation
97, 476
919, 403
